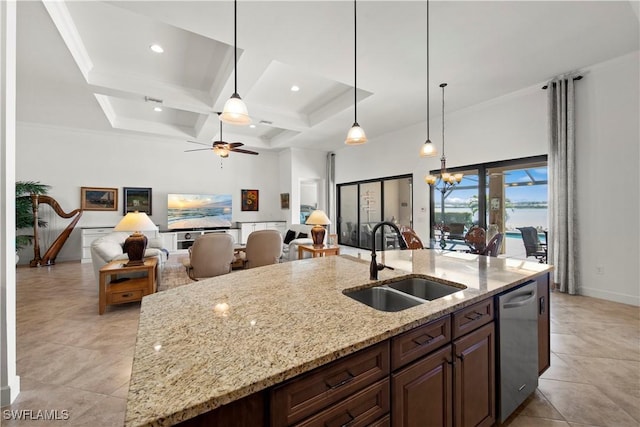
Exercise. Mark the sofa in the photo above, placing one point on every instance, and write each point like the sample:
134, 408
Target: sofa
109, 248
290, 248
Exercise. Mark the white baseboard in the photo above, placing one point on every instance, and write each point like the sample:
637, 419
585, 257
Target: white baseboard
9, 392
610, 296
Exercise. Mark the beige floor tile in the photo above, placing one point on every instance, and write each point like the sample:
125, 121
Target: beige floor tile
560, 370
528, 421
584, 403
624, 374
537, 406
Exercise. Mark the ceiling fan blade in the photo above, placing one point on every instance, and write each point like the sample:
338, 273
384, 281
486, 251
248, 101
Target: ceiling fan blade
196, 142
198, 149
236, 144
241, 150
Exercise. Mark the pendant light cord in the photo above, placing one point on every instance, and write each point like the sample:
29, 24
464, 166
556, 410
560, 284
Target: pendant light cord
428, 70
235, 46
443, 159
355, 64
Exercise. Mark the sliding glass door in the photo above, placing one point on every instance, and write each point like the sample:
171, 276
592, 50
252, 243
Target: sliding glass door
362, 205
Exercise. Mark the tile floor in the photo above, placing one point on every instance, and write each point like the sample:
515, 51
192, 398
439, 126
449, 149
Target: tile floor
70, 358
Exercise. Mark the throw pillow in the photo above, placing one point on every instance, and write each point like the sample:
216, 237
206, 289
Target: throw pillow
289, 237
302, 236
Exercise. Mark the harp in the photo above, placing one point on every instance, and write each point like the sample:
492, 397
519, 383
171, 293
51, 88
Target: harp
49, 257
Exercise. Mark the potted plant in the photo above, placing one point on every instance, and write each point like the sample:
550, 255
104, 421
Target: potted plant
24, 211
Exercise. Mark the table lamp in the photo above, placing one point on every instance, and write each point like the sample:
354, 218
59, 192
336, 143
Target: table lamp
318, 219
135, 244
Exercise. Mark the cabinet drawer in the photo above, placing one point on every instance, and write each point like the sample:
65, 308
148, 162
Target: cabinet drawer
124, 296
359, 409
472, 317
301, 397
420, 341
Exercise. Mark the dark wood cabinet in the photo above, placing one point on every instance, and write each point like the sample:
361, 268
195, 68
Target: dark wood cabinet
422, 393
544, 332
474, 378
451, 386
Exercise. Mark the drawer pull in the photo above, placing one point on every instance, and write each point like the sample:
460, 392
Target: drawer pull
423, 339
350, 422
541, 305
331, 386
126, 295
474, 316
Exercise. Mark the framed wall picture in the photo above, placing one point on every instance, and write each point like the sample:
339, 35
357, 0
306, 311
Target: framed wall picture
137, 199
250, 200
98, 199
284, 200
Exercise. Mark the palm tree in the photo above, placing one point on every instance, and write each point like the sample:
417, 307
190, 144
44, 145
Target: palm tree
24, 209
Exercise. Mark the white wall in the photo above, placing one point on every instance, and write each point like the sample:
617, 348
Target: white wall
68, 159
608, 158
514, 126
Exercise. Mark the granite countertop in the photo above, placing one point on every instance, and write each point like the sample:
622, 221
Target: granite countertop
208, 343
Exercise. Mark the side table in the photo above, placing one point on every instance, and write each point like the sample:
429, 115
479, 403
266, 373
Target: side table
118, 291
317, 251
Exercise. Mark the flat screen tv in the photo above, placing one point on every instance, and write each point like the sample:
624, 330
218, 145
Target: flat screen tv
198, 211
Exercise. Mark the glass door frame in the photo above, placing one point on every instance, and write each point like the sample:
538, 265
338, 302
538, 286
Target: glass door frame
481, 169
358, 195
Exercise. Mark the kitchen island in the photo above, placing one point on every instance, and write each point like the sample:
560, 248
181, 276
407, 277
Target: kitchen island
220, 340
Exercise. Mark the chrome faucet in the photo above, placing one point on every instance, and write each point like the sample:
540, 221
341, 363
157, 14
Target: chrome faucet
375, 267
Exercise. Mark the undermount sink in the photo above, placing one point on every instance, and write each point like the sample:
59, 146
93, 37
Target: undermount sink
402, 293
383, 298
423, 288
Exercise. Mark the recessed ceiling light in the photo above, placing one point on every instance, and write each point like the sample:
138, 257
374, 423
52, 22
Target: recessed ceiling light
158, 109
156, 48
295, 88
252, 126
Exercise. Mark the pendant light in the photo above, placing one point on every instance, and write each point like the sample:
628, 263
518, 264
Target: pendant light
356, 135
428, 148
235, 111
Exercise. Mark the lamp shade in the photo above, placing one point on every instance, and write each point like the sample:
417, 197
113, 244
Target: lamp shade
318, 217
136, 221
428, 149
356, 135
235, 111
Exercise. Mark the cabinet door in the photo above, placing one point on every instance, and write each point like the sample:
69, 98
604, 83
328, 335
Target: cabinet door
474, 376
422, 392
544, 337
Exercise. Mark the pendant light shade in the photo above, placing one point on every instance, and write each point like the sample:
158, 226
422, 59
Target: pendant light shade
428, 148
235, 111
356, 135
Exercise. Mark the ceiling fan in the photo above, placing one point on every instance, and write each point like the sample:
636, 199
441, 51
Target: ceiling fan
222, 148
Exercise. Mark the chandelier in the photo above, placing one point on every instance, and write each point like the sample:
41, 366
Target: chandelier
445, 182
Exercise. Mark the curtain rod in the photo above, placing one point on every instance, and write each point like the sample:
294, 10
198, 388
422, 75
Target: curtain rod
574, 79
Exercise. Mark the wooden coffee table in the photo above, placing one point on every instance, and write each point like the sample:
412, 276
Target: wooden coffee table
121, 290
318, 251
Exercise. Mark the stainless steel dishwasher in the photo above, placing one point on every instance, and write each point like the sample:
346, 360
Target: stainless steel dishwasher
517, 347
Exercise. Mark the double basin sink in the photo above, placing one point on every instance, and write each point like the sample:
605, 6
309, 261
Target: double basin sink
402, 293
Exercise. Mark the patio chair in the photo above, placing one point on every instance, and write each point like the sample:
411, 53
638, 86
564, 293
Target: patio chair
494, 246
411, 238
456, 231
476, 239
532, 244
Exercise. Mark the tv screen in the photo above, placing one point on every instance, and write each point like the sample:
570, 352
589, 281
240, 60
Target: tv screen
198, 211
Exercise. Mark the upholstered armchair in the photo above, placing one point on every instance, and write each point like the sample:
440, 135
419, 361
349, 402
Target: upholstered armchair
264, 247
211, 255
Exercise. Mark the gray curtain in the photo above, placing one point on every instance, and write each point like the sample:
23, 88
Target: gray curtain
563, 233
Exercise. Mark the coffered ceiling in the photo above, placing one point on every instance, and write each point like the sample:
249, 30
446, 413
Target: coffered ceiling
87, 64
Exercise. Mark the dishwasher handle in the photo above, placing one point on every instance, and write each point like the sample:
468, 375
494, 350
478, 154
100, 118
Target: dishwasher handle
530, 295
